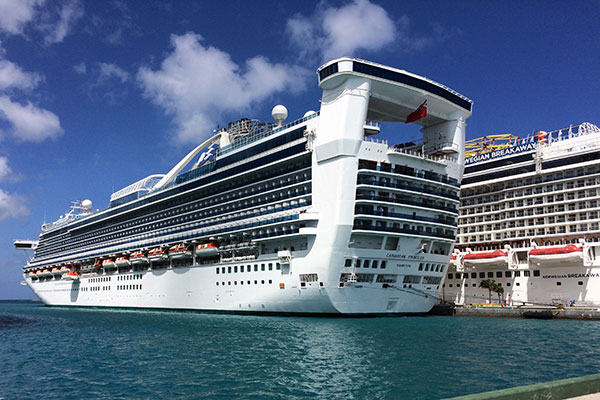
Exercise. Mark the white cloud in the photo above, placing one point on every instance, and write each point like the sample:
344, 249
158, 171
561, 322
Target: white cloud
197, 84
108, 71
80, 68
5, 171
30, 123
12, 76
12, 206
68, 15
15, 14
336, 32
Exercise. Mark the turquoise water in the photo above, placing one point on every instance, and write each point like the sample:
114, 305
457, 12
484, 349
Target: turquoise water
63, 353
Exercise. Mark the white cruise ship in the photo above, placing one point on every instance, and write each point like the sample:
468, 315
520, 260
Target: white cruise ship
312, 216
529, 219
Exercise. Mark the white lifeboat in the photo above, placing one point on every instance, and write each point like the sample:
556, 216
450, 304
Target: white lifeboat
138, 258
209, 249
56, 271
32, 275
109, 263
179, 251
157, 254
71, 276
496, 258
122, 261
64, 269
556, 255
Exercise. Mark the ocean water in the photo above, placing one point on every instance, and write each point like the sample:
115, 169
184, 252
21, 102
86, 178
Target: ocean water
69, 353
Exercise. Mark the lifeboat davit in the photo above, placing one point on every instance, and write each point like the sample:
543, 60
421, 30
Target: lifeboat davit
157, 254
556, 255
496, 258
179, 251
209, 249
71, 276
138, 258
109, 263
122, 261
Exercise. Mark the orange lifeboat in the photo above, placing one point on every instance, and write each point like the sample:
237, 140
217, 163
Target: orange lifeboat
138, 258
157, 254
209, 249
109, 263
32, 275
122, 261
496, 258
56, 271
179, 251
71, 276
556, 255
64, 269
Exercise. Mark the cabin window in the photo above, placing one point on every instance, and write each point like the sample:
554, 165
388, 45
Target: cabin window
498, 274
536, 272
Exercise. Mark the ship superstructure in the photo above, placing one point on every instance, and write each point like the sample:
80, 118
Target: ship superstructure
529, 219
313, 216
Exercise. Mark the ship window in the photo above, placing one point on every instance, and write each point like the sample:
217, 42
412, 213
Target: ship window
263, 281
508, 284
217, 283
277, 266
526, 273
235, 269
498, 274
558, 283
374, 264
223, 270
474, 285
348, 262
366, 264
270, 267
450, 276
517, 274
580, 283
270, 281
482, 274
536, 272
255, 282
255, 267
507, 274
518, 284
228, 270
450, 285
248, 268
383, 264
420, 266
473, 275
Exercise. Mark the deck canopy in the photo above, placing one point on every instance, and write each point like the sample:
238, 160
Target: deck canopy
396, 93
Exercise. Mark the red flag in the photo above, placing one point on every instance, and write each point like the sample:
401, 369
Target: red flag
418, 114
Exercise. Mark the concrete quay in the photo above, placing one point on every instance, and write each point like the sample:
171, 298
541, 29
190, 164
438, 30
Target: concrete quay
578, 313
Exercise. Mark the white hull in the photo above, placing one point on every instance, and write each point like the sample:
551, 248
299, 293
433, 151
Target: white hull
542, 280
195, 288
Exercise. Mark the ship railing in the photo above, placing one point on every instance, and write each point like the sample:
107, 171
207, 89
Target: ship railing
413, 188
361, 196
449, 222
442, 179
262, 133
404, 231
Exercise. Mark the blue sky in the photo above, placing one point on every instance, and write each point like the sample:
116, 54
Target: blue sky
95, 95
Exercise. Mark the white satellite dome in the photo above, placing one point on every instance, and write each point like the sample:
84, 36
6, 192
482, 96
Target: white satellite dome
86, 205
309, 113
279, 113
